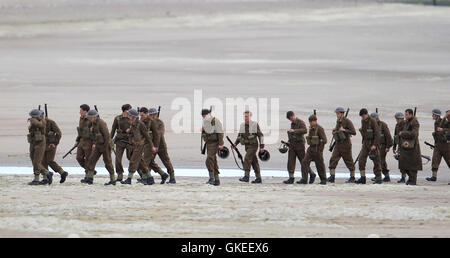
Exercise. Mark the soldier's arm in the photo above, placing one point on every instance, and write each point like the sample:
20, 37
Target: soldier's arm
322, 135
219, 130
114, 128
104, 131
414, 132
57, 131
350, 128
260, 136
237, 141
388, 136
37, 124
144, 132
302, 128
376, 132
157, 130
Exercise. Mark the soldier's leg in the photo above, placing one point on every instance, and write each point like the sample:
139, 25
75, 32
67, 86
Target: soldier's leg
363, 154
383, 163
255, 164
36, 171
91, 163
120, 148
135, 160
211, 160
306, 162
412, 180
446, 156
248, 159
377, 167
300, 153
334, 160
436, 161
292, 159
50, 160
81, 156
107, 159
346, 153
320, 165
165, 159
39, 152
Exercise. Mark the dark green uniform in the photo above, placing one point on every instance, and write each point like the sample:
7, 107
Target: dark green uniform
385, 143
212, 134
84, 147
441, 144
296, 146
410, 157
343, 147
36, 139
101, 138
371, 135
249, 134
316, 140
120, 125
52, 136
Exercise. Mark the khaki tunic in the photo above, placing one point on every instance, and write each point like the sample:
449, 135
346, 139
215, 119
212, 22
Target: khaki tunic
120, 125
315, 153
410, 159
296, 145
369, 140
343, 148
84, 147
442, 146
102, 140
385, 143
53, 136
249, 135
159, 142
37, 147
212, 132
139, 137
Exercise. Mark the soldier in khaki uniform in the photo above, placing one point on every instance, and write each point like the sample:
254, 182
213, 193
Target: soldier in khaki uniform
52, 136
316, 140
249, 134
148, 158
371, 135
400, 118
36, 138
101, 146
410, 158
120, 125
385, 144
159, 143
441, 143
139, 137
342, 133
212, 134
296, 146
83, 141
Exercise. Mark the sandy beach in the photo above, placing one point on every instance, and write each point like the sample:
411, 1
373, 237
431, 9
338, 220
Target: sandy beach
308, 54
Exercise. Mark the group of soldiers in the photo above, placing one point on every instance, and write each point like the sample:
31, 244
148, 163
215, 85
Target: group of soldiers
376, 143
139, 134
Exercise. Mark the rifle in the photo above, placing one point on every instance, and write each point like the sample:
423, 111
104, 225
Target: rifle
314, 112
356, 161
70, 151
415, 110
234, 148
159, 111
286, 143
45, 109
39, 107
203, 149
430, 145
333, 141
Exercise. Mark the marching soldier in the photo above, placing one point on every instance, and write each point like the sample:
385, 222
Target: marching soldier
121, 124
100, 147
52, 137
36, 139
159, 143
83, 141
410, 157
371, 135
342, 133
385, 144
316, 140
139, 137
212, 134
249, 134
148, 158
296, 147
441, 142
400, 118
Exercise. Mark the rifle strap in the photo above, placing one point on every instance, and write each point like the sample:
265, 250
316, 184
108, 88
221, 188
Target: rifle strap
235, 160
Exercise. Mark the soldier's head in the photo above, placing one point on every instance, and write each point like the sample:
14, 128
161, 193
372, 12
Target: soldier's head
153, 113
84, 109
399, 117
340, 111
143, 112
290, 116
35, 113
133, 114
312, 120
205, 113
363, 113
42, 115
375, 116
125, 108
436, 114
447, 114
409, 113
247, 116
92, 115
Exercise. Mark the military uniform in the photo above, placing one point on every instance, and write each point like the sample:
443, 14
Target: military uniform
84, 147
371, 135
297, 146
343, 147
36, 139
410, 157
101, 138
385, 143
398, 128
316, 140
120, 125
441, 144
249, 134
159, 142
52, 136
212, 134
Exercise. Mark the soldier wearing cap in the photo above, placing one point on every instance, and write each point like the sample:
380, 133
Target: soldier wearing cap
441, 143
148, 158
36, 139
385, 144
410, 158
120, 125
342, 134
316, 140
212, 134
249, 135
400, 119
83, 141
52, 137
371, 135
160, 144
138, 137
296, 147
100, 147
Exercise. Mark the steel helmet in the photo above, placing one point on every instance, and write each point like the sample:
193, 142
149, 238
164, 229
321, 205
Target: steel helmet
264, 156
223, 153
283, 148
